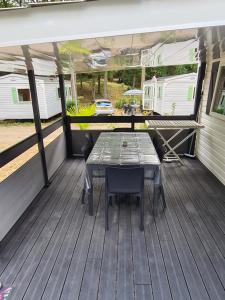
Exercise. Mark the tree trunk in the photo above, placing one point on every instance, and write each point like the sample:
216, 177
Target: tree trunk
99, 84
105, 84
93, 87
134, 80
74, 87
142, 77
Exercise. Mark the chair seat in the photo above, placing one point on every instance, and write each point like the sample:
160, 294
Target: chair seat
149, 174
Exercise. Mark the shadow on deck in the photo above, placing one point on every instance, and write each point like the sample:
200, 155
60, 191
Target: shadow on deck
57, 251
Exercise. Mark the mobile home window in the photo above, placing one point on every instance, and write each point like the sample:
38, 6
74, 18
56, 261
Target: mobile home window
24, 95
218, 105
59, 93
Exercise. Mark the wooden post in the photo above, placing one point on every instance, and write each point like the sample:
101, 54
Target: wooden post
66, 124
93, 87
36, 112
105, 84
142, 77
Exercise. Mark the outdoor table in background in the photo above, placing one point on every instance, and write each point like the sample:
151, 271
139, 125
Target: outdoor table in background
109, 150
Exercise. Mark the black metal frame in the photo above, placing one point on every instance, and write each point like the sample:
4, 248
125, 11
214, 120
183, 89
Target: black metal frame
66, 124
125, 119
37, 122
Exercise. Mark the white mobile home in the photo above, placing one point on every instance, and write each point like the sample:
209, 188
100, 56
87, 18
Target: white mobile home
15, 99
172, 95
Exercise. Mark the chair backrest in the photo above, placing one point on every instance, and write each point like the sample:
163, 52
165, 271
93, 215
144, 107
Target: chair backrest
125, 179
89, 139
88, 146
160, 149
125, 129
86, 150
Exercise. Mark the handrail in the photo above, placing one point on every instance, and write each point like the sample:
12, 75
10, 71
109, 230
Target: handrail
9, 154
125, 119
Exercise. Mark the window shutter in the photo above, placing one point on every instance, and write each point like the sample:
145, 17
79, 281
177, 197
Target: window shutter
215, 67
14, 95
190, 93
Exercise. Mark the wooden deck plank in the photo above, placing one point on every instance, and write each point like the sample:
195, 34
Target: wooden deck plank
205, 233
125, 280
197, 196
57, 251
143, 292
203, 262
192, 275
95, 253
175, 274
73, 281
107, 284
48, 237
140, 255
40, 278
159, 280
11, 272
13, 241
57, 278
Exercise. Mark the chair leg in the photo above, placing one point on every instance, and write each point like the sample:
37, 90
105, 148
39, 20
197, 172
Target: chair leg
163, 197
83, 196
141, 212
110, 200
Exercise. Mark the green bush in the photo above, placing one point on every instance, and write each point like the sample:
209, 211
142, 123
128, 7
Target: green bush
82, 111
120, 103
219, 111
69, 104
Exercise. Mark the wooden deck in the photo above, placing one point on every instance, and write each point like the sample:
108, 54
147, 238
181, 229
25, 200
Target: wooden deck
57, 251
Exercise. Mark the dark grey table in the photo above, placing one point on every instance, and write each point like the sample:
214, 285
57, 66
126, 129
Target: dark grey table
116, 148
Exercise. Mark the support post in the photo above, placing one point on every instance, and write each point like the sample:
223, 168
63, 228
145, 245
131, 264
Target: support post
132, 123
105, 84
37, 122
143, 71
66, 124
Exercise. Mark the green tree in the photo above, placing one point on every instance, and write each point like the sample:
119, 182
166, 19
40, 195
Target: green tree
70, 49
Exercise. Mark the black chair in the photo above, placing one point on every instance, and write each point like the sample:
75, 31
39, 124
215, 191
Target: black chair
86, 150
124, 180
89, 139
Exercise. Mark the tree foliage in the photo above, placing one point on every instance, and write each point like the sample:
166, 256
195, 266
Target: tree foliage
127, 76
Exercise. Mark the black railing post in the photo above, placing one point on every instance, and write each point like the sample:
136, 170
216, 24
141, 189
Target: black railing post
36, 112
37, 122
132, 122
66, 124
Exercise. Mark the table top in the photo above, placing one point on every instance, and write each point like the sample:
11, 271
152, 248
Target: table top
124, 148
173, 124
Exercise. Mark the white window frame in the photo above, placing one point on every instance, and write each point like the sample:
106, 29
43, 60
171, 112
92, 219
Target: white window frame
213, 113
23, 102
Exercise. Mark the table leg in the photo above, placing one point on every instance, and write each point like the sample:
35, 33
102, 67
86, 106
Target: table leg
90, 201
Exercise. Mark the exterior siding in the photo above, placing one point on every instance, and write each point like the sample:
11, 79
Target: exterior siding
53, 102
49, 103
210, 145
176, 92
